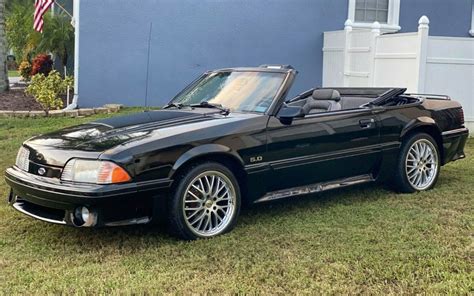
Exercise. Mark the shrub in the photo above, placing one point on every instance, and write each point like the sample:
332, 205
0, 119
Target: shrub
42, 64
47, 89
25, 70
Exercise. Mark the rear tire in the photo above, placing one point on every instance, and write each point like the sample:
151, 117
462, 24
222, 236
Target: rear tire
418, 164
205, 202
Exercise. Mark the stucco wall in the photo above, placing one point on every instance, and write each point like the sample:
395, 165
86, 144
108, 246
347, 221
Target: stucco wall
190, 37
447, 17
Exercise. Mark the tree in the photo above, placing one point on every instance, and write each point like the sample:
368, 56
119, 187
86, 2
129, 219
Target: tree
3, 50
21, 37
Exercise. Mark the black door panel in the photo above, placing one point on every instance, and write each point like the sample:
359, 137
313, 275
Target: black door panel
322, 147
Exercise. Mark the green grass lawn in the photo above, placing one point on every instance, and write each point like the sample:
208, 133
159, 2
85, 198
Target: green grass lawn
364, 239
13, 73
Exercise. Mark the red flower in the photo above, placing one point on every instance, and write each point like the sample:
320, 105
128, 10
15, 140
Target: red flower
42, 63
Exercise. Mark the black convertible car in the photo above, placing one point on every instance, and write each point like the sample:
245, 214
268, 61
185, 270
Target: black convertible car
233, 137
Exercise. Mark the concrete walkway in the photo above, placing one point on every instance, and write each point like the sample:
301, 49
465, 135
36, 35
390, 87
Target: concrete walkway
16, 83
14, 80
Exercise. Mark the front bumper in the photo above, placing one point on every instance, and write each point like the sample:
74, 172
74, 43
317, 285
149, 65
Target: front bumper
453, 144
50, 200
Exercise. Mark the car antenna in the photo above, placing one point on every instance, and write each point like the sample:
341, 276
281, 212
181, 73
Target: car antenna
148, 66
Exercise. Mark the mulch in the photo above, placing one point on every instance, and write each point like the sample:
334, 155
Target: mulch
17, 100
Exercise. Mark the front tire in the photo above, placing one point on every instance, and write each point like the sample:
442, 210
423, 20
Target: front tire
418, 164
205, 202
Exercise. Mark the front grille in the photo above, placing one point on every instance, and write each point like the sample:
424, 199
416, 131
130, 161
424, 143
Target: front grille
23, 159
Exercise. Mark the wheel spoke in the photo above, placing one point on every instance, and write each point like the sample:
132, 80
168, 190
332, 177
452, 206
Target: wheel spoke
193, 195
221, 196
203, 191
218, 218
200, 220
412, 170
213, 178
206, 178
208, 221
197, 188
220, 186
422, 178
193, 209
213, 220
194, 214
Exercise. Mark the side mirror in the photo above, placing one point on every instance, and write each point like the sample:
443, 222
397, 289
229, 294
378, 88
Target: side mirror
288, 113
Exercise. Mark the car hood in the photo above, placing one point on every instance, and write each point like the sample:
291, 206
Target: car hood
92, 139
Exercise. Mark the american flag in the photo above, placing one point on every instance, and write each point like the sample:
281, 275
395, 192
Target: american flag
41, 6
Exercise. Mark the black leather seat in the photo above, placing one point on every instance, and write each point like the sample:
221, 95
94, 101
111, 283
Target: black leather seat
322, 100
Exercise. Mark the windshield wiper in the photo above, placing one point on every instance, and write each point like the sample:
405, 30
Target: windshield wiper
176, 105
206, 104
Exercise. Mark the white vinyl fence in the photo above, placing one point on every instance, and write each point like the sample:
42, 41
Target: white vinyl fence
417, 61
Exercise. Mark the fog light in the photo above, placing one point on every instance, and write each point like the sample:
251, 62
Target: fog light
84, 217
11, 197
85, 214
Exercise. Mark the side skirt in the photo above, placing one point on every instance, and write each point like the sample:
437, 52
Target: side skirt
318, 187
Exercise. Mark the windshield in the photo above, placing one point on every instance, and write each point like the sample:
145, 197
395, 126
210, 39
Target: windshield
238, 91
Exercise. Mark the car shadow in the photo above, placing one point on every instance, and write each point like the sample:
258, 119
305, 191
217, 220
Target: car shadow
158, 232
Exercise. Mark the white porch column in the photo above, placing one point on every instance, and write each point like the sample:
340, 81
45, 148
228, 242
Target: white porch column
423, 33
75, 22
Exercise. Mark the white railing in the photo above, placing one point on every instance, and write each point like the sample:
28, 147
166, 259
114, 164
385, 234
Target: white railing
417, 61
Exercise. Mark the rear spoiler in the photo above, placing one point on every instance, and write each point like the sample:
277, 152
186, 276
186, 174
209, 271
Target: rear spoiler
430, 96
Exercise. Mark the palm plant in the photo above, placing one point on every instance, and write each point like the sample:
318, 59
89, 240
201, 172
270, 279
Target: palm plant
3, 50
58, 37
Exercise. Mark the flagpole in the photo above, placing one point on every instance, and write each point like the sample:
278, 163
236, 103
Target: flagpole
148, 65
63, 9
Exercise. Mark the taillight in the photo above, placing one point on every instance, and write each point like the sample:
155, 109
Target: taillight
461, 116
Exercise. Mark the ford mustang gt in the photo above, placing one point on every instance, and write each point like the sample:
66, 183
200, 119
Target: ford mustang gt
233, 136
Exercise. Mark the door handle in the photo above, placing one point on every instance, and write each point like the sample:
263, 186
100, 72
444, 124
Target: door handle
366, 123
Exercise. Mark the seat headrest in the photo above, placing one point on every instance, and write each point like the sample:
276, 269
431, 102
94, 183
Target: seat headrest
326, 94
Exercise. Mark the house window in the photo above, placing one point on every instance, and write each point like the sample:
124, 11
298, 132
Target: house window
363, 13
369, 11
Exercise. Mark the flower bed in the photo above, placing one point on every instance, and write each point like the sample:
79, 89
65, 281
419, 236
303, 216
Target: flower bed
15, 103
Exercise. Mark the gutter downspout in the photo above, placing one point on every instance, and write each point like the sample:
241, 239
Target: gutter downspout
76, 18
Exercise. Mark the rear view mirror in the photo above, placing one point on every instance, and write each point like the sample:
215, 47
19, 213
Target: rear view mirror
288, 113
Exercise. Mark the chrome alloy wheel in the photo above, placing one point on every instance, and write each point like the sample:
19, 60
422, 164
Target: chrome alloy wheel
421, 164
209, 203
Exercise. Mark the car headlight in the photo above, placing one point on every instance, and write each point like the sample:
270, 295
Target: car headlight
94, 171
22, 159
